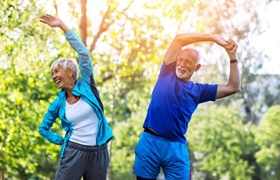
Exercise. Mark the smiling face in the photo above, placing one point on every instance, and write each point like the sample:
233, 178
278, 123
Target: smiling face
64, 73
187, 64
63, 78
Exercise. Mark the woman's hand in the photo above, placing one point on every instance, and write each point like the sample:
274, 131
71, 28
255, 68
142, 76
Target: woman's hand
53, 21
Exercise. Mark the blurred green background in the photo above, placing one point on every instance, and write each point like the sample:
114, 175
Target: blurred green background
234, 138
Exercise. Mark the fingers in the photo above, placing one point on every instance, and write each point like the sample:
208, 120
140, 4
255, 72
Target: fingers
231, 45
50, 20
42, 21
220, 40
231, 49
47, 17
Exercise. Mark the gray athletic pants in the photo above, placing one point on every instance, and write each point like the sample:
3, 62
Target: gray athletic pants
89, 162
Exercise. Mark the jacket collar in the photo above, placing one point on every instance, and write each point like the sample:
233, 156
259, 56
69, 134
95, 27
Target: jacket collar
75, 91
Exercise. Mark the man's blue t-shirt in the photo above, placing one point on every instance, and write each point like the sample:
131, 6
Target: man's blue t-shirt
173, 102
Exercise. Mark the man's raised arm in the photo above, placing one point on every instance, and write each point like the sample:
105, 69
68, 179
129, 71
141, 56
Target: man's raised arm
185, 39
233, 85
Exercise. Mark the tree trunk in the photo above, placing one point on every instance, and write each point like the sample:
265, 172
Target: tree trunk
2, 175
83, 25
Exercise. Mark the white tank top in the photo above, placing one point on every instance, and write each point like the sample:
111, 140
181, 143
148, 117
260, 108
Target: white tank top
84, 122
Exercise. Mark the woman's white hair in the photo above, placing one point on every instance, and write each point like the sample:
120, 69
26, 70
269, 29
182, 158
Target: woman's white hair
66, 64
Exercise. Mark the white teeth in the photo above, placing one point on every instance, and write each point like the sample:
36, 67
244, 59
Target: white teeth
182, 69
57, 81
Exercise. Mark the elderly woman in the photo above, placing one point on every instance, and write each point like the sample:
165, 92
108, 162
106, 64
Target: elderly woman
84, 148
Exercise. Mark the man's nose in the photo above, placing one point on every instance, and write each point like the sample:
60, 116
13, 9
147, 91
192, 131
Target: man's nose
183, 62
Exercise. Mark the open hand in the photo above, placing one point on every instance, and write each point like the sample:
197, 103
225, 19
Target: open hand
51, 20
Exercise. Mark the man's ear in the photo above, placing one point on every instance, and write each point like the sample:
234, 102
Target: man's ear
197, 67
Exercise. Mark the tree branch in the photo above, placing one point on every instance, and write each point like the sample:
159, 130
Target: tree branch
102, 28
105, 25
83, 24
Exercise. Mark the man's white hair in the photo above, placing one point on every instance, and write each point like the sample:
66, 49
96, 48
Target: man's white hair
190, 47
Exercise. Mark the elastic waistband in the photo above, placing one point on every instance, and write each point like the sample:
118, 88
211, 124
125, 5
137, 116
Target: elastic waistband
148, 133
85, 148
151, 132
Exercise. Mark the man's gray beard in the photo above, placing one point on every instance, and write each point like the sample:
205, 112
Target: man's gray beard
182, 76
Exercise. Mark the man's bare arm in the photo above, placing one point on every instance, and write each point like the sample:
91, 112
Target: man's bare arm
182, 40
233, 85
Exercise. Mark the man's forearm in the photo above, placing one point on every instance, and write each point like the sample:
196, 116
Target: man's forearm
190, 38
234, 77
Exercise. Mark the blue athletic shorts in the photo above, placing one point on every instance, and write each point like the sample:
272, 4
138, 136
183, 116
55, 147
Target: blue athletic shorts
154, 152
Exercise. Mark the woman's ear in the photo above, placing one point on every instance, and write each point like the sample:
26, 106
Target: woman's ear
197, 67
70, 72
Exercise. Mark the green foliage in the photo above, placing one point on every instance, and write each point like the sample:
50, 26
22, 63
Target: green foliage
267, 137
26, 90
22, 106
220, 143
127, 59
126, 137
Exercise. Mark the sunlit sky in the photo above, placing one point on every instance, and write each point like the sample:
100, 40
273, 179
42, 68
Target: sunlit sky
268, 41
